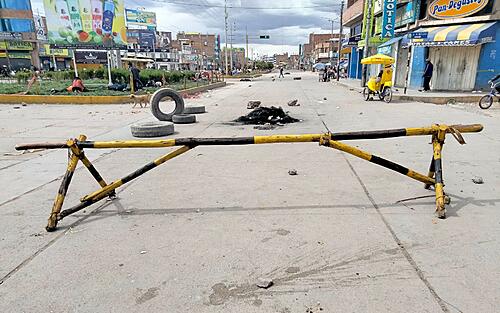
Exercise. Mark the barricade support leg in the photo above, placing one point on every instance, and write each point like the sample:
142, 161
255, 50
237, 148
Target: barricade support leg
437, 143
105, 191
63, 189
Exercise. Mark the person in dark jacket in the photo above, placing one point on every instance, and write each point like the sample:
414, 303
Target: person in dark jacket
429, 70
135, 76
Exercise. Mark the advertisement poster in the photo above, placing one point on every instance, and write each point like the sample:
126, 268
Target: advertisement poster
86, 23
140, 18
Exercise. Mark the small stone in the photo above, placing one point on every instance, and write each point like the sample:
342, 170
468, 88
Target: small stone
264, 283
143, 252
478, 180
120, 265
198, 211
325, 98
292, 172
17, 107
293, 103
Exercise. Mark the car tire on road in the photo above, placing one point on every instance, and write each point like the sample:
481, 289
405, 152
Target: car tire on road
184, 119
164, 93
194, 109
152, 129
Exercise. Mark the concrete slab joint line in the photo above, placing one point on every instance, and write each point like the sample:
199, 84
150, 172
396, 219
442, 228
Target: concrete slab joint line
332, 140
402, 248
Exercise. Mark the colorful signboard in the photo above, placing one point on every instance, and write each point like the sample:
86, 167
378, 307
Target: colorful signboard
446, 9
86, 23
91, 57
388, 19
140, 18
40, 27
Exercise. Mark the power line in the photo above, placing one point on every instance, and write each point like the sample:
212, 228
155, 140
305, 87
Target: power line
245, 7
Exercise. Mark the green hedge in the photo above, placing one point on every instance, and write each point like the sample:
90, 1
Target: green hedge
118, 75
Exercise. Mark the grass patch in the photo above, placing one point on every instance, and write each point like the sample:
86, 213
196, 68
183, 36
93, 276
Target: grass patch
96, 87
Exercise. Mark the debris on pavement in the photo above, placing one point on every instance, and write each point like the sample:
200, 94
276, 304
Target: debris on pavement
264, 115
245, 80
478, 180
143, 252
293, 103
292, 172
297, 78
252, 104
266, 126
264, 283
325, 98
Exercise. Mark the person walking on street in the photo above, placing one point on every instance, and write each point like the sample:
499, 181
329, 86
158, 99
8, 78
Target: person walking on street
281, 73
429, 69
135, 76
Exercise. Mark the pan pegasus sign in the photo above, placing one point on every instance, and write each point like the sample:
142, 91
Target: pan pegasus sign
445, 9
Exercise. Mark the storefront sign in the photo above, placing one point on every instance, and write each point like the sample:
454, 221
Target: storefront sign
147, 39
55, 52
19, 55
445, 9
418, 35
388, 19
10, 36
91, 57
19, 45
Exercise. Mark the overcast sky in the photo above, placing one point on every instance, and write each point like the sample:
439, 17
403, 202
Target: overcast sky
287, 28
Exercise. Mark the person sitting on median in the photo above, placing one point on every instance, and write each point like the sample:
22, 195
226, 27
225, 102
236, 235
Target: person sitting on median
76, 85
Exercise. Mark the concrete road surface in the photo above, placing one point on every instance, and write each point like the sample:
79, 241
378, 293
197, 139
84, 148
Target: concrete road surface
196, 234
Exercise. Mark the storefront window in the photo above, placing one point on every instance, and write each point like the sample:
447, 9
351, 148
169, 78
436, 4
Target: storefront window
16, 25
15, 4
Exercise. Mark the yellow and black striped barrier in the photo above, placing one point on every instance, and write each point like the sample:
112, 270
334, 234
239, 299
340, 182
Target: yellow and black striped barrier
332, 140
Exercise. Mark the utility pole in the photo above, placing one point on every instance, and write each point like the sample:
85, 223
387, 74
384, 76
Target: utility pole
231, 45
246, 50
368, 30
225, 26
331, 42
341, 35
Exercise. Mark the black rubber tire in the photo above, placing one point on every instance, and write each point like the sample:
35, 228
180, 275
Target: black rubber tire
184, 119
387, 94
164, 93
152, 129
194, 109
366, 94
485, 102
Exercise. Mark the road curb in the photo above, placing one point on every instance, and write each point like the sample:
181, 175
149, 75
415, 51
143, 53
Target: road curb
425, 99
82, 100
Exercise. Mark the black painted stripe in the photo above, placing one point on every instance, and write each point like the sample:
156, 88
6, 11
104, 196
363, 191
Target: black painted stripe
138, 172
376, 134
85, 144
439, 171
190, 142
389, 164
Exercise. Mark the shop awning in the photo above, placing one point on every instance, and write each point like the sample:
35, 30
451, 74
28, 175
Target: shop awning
455, 35
390, 42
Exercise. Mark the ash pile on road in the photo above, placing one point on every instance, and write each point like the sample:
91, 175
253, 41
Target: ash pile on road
265, 115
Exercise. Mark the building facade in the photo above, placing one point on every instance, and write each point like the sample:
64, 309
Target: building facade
206, 47
18, 40
353, 18
460, 40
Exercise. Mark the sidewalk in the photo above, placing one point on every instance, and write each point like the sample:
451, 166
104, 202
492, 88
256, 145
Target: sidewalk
415, 95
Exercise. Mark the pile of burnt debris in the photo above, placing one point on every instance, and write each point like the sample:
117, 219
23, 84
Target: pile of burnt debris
267, 115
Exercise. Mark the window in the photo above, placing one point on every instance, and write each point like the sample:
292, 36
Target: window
15, 4
16, 25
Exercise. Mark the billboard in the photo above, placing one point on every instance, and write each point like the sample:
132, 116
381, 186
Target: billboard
91, 57
140, 18
86, 23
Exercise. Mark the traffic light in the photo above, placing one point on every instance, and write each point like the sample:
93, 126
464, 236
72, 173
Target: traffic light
264, 36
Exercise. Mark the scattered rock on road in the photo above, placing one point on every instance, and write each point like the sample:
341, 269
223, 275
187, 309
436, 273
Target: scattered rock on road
478, 180
293, 103
264, 283
252, 104
292, 172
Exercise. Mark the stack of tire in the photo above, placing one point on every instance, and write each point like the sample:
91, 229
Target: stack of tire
165, 126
